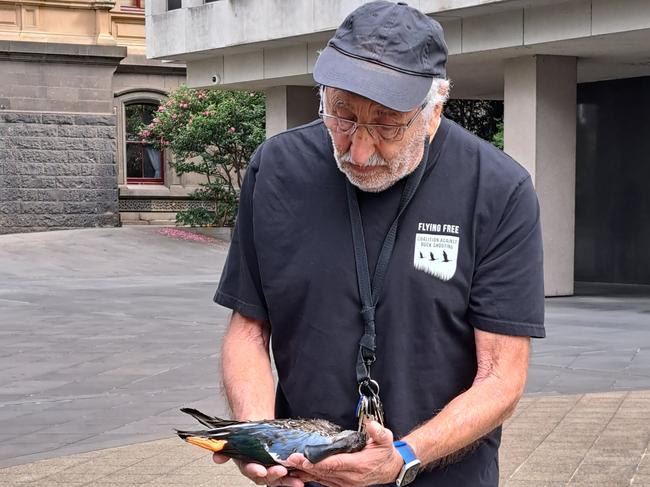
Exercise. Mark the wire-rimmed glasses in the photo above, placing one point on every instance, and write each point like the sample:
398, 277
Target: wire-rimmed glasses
378, 131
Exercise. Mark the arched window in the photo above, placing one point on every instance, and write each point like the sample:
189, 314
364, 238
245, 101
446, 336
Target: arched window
144, 163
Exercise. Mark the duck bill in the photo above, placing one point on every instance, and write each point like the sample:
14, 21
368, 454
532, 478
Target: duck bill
212, 445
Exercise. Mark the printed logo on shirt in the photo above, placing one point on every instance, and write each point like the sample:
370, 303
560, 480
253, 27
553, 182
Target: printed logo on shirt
436, 253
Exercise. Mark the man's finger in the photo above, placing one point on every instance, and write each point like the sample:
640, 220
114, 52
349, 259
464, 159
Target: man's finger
254, 471
216, 458
325, 468
303, 476
287, 482
275, 473
295, 460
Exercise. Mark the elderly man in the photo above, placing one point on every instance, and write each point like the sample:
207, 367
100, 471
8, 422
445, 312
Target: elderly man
389, 253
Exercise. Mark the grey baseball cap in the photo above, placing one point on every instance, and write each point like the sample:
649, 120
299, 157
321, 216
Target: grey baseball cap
387, 52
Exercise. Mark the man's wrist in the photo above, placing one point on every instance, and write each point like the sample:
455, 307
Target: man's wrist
250, 415
412, 442
397, 462
411, 465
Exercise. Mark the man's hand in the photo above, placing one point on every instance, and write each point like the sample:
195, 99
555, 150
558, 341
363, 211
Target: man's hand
250, 389
272, 476
378, 463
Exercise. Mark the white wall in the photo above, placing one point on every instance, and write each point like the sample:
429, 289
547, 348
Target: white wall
265, 43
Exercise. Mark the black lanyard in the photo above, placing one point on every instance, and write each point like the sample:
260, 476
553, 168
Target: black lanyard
370, 292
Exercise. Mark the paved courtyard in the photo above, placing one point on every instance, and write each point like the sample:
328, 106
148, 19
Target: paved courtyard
106, 332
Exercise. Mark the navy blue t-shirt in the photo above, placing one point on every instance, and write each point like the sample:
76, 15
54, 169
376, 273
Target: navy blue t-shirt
468, 254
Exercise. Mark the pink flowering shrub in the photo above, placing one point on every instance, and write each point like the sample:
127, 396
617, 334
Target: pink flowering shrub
213, 133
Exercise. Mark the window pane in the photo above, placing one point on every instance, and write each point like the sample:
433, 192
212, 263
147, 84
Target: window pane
137, 115
134, 159
173, 4
152, 162
142, 160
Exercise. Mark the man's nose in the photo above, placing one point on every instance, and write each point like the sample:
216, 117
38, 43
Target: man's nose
362, 146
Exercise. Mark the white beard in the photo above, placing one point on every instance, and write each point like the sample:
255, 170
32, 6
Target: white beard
385, 173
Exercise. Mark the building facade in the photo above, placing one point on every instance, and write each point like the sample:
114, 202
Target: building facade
75, 85
543, 58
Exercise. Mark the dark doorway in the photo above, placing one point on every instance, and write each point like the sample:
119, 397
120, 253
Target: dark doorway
613, 182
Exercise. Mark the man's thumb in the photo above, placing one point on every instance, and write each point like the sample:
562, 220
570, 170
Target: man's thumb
378, 433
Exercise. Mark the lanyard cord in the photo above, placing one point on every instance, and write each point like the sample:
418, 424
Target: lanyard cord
369, 292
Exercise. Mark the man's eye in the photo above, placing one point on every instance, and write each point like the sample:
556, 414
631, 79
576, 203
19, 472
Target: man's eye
387, 132
345, 124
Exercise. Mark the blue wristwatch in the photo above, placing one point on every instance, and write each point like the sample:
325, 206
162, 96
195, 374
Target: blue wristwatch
411, 466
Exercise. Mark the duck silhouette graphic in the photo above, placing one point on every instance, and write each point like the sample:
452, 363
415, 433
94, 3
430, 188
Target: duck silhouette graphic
436, 254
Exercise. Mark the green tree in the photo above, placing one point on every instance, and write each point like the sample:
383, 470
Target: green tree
497, 138
482, 117
212, 133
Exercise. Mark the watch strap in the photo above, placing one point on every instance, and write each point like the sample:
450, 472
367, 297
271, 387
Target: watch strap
411, 466
405, 451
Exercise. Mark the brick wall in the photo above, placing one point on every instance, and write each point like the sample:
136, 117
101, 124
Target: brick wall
57, 170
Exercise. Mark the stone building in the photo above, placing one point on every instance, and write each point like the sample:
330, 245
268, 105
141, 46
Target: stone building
574, 76
74, 85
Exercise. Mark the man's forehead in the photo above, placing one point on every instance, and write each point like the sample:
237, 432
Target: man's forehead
347, 98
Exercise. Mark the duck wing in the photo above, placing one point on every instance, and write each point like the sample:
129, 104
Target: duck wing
276, 440
308, 438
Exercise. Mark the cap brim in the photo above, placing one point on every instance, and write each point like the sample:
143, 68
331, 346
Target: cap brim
399, 91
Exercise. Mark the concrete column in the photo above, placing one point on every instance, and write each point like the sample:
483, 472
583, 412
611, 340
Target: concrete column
289, 106
540, 133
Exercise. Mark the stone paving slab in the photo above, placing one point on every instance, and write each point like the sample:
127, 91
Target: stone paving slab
568, 440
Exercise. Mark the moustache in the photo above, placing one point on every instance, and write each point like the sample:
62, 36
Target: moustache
374, 160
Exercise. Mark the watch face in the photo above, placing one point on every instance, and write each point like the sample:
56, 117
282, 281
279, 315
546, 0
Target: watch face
411, 471
410, 474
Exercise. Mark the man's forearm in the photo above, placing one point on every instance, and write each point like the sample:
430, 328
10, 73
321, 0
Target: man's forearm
463, 421
485, 405
246, 365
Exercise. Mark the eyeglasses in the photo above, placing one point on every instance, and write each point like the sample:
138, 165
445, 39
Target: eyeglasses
378, 131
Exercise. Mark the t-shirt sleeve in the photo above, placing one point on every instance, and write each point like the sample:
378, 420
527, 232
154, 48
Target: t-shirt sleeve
507, 293
240, 287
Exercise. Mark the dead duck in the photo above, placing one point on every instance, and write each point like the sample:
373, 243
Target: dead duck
271, 442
